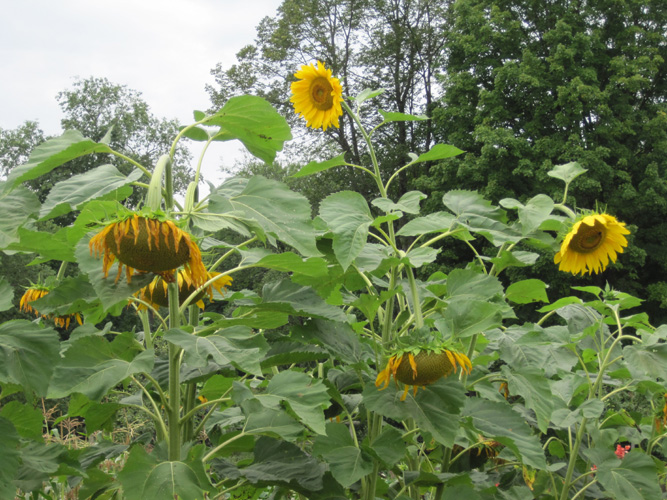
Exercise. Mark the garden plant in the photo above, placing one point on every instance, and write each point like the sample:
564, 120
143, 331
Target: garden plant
355, 374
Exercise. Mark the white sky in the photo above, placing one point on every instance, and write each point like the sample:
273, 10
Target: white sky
164, 49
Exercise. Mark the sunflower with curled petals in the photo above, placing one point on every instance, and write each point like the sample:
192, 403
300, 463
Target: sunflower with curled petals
317, 96
421, 367
149, 244
155, 293
591, 243
37, 292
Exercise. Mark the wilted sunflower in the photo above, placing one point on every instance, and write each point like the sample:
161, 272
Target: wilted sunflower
37, 292
155, 293
591, 243
421, 369
150, 245
317, 96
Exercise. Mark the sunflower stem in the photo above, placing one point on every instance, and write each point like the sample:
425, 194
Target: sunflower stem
566, 210
174, 444
416, 304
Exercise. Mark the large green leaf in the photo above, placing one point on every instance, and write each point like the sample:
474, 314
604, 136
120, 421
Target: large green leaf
16, 207
50, 246
278, 211
10, 458
497, 421
389, 446
93, 365
286, 262
527, 291
438, 152
288, 297
69, 296
472, 285
273, 422
647, 362
438, 222
235, 345
634, 477
39, 461
532, 385
304, 395
52, 154
320, 166
436, 409
465, 317
28, 355
463, 202
348, 217
337, 338
347, 462
6, 295
409, 203
27, 420
567, 172
278, 462
145, 476
101, 182
254, 122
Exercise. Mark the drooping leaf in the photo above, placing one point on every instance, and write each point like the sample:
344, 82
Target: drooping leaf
28, 355
532, 385
50, 246
288, 353
27, 420
254, 122
338, 338
6, 295
70, 194
647, 362
93, 365
347, 462
69, 296
348, 217
16, 208
408, 203
527, 291
10, 458
389, 446
463, 202
391, 116
273, 422
464, 317
320, 166
516, 258
285, 262
305, 396
145, 476
275, 209
53, 153
497, 421
291, 298
438, 222
235, 345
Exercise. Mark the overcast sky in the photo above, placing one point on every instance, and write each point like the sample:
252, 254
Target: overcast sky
164, 49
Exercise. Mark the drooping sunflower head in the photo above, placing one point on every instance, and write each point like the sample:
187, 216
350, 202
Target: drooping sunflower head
37, 292
592, 242
317, 96
155, 293
148, 244
421, 368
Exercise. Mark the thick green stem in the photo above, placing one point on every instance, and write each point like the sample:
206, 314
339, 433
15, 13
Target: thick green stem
574, 452
174, 444
444, 467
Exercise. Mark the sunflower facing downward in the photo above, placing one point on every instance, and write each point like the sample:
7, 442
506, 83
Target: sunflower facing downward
592, 242
317, 96
150, 245
421, 369
155, 293
37, 292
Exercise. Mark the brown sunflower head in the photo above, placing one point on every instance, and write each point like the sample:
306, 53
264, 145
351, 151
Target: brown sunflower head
155, 293
149, 245
37, 292
421, 369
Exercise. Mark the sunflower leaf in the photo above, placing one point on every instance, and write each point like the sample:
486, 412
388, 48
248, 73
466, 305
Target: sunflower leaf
320, 166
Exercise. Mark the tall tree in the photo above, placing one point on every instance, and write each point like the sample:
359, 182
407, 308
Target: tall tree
531, 84
16, 145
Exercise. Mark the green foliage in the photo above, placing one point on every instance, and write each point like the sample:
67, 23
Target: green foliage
287, 389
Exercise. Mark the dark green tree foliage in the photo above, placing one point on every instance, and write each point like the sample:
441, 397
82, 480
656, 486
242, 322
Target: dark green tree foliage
16, 144
533, 84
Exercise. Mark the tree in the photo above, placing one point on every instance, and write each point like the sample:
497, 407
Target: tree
16, 144
529, 85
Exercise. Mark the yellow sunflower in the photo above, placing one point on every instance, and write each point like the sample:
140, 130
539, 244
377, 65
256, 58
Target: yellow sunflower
155, 293
421, 369
37, 292
149, 245
591, 243
317, 96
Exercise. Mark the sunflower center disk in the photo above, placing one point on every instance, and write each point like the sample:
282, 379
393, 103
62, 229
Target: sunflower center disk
430, 367
321, 93
588, 239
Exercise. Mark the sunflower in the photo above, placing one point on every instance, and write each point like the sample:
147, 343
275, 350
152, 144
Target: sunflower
317, 96
592, 242
150, 245
421, 369
155, 293
37, 292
